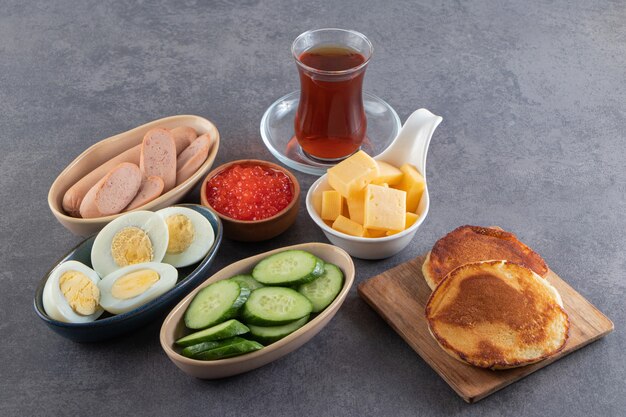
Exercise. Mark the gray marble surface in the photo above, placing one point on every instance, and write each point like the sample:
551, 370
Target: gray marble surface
532, 95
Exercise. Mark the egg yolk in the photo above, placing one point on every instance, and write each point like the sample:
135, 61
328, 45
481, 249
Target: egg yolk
133, 284
130, 246
80, 292
181, 233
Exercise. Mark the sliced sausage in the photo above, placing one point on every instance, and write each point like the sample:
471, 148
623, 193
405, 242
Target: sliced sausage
151, 188
74, 196
113, 192
192, 158
183, 136
158, 156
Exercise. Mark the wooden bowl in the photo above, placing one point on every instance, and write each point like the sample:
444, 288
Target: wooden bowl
106, 149
174, 327
256, 230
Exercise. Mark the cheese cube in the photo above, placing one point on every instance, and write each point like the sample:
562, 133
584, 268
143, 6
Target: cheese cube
385, 208
387, 174
332, 205
375, 233
414, 184
409, 220
344, 207
352, 174
349, 227
356, 205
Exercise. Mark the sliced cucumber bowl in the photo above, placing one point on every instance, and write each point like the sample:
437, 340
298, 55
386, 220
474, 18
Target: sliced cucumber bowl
257, 310
298, 284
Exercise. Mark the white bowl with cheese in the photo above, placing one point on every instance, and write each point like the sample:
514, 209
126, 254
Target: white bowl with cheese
410, 147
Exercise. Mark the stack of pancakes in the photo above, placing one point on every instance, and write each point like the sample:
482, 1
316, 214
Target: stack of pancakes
491, 305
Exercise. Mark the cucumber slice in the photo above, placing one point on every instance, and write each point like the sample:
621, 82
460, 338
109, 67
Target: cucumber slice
275, 306
190, 351
246, 280
291, 267
323, 290
215, 303
220, 331
228, 351
193, 350
268, 335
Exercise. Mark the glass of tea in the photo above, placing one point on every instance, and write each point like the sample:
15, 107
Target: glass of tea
330, 122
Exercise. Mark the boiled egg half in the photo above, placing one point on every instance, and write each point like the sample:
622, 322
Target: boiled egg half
135, 285
71, 293
190, 236
136, 237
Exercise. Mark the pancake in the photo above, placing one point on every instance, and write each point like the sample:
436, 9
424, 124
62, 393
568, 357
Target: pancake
468, 244
497, 315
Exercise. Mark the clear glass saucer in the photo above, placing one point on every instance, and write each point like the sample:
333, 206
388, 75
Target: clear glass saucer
277, 131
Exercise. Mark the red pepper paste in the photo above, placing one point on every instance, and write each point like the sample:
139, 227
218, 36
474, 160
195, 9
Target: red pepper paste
249, 192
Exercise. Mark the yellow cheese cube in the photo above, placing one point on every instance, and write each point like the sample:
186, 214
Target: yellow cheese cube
387, 174
375, 233
413, 183
410, 219
352, 174
385, 208
349, 227
344, 208
356, 205
408, 222
332, 205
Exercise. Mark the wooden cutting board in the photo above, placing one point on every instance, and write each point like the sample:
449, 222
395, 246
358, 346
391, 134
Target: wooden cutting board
400, 294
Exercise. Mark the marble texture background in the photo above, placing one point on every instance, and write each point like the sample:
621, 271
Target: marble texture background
532, 95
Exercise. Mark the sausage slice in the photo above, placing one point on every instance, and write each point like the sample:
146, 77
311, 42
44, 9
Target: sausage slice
113, 192
158, 156
183, 136
151, 188
192, 158
74, 196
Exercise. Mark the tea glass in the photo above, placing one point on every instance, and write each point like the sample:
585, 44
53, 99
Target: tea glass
330, 122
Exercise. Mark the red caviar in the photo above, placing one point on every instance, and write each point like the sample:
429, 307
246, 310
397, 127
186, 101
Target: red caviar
249, 192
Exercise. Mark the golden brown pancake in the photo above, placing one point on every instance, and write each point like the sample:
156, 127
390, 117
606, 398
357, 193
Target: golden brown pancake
497, 314
468, 244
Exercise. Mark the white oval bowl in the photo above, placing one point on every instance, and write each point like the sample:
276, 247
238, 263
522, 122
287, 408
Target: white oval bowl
173, 327
104, 150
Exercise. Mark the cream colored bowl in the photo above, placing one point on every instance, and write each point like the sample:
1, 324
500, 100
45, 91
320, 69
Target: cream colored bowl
174, 327
106, 149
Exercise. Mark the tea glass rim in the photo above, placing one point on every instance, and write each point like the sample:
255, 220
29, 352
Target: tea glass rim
337, 72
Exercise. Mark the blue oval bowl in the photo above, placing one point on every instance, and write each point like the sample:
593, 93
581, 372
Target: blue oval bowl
111, 326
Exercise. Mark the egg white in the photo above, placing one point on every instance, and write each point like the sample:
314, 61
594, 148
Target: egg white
168, 276
54, 302
150, 222
203, 237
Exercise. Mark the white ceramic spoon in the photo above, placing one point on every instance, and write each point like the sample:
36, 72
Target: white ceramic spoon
410, 146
